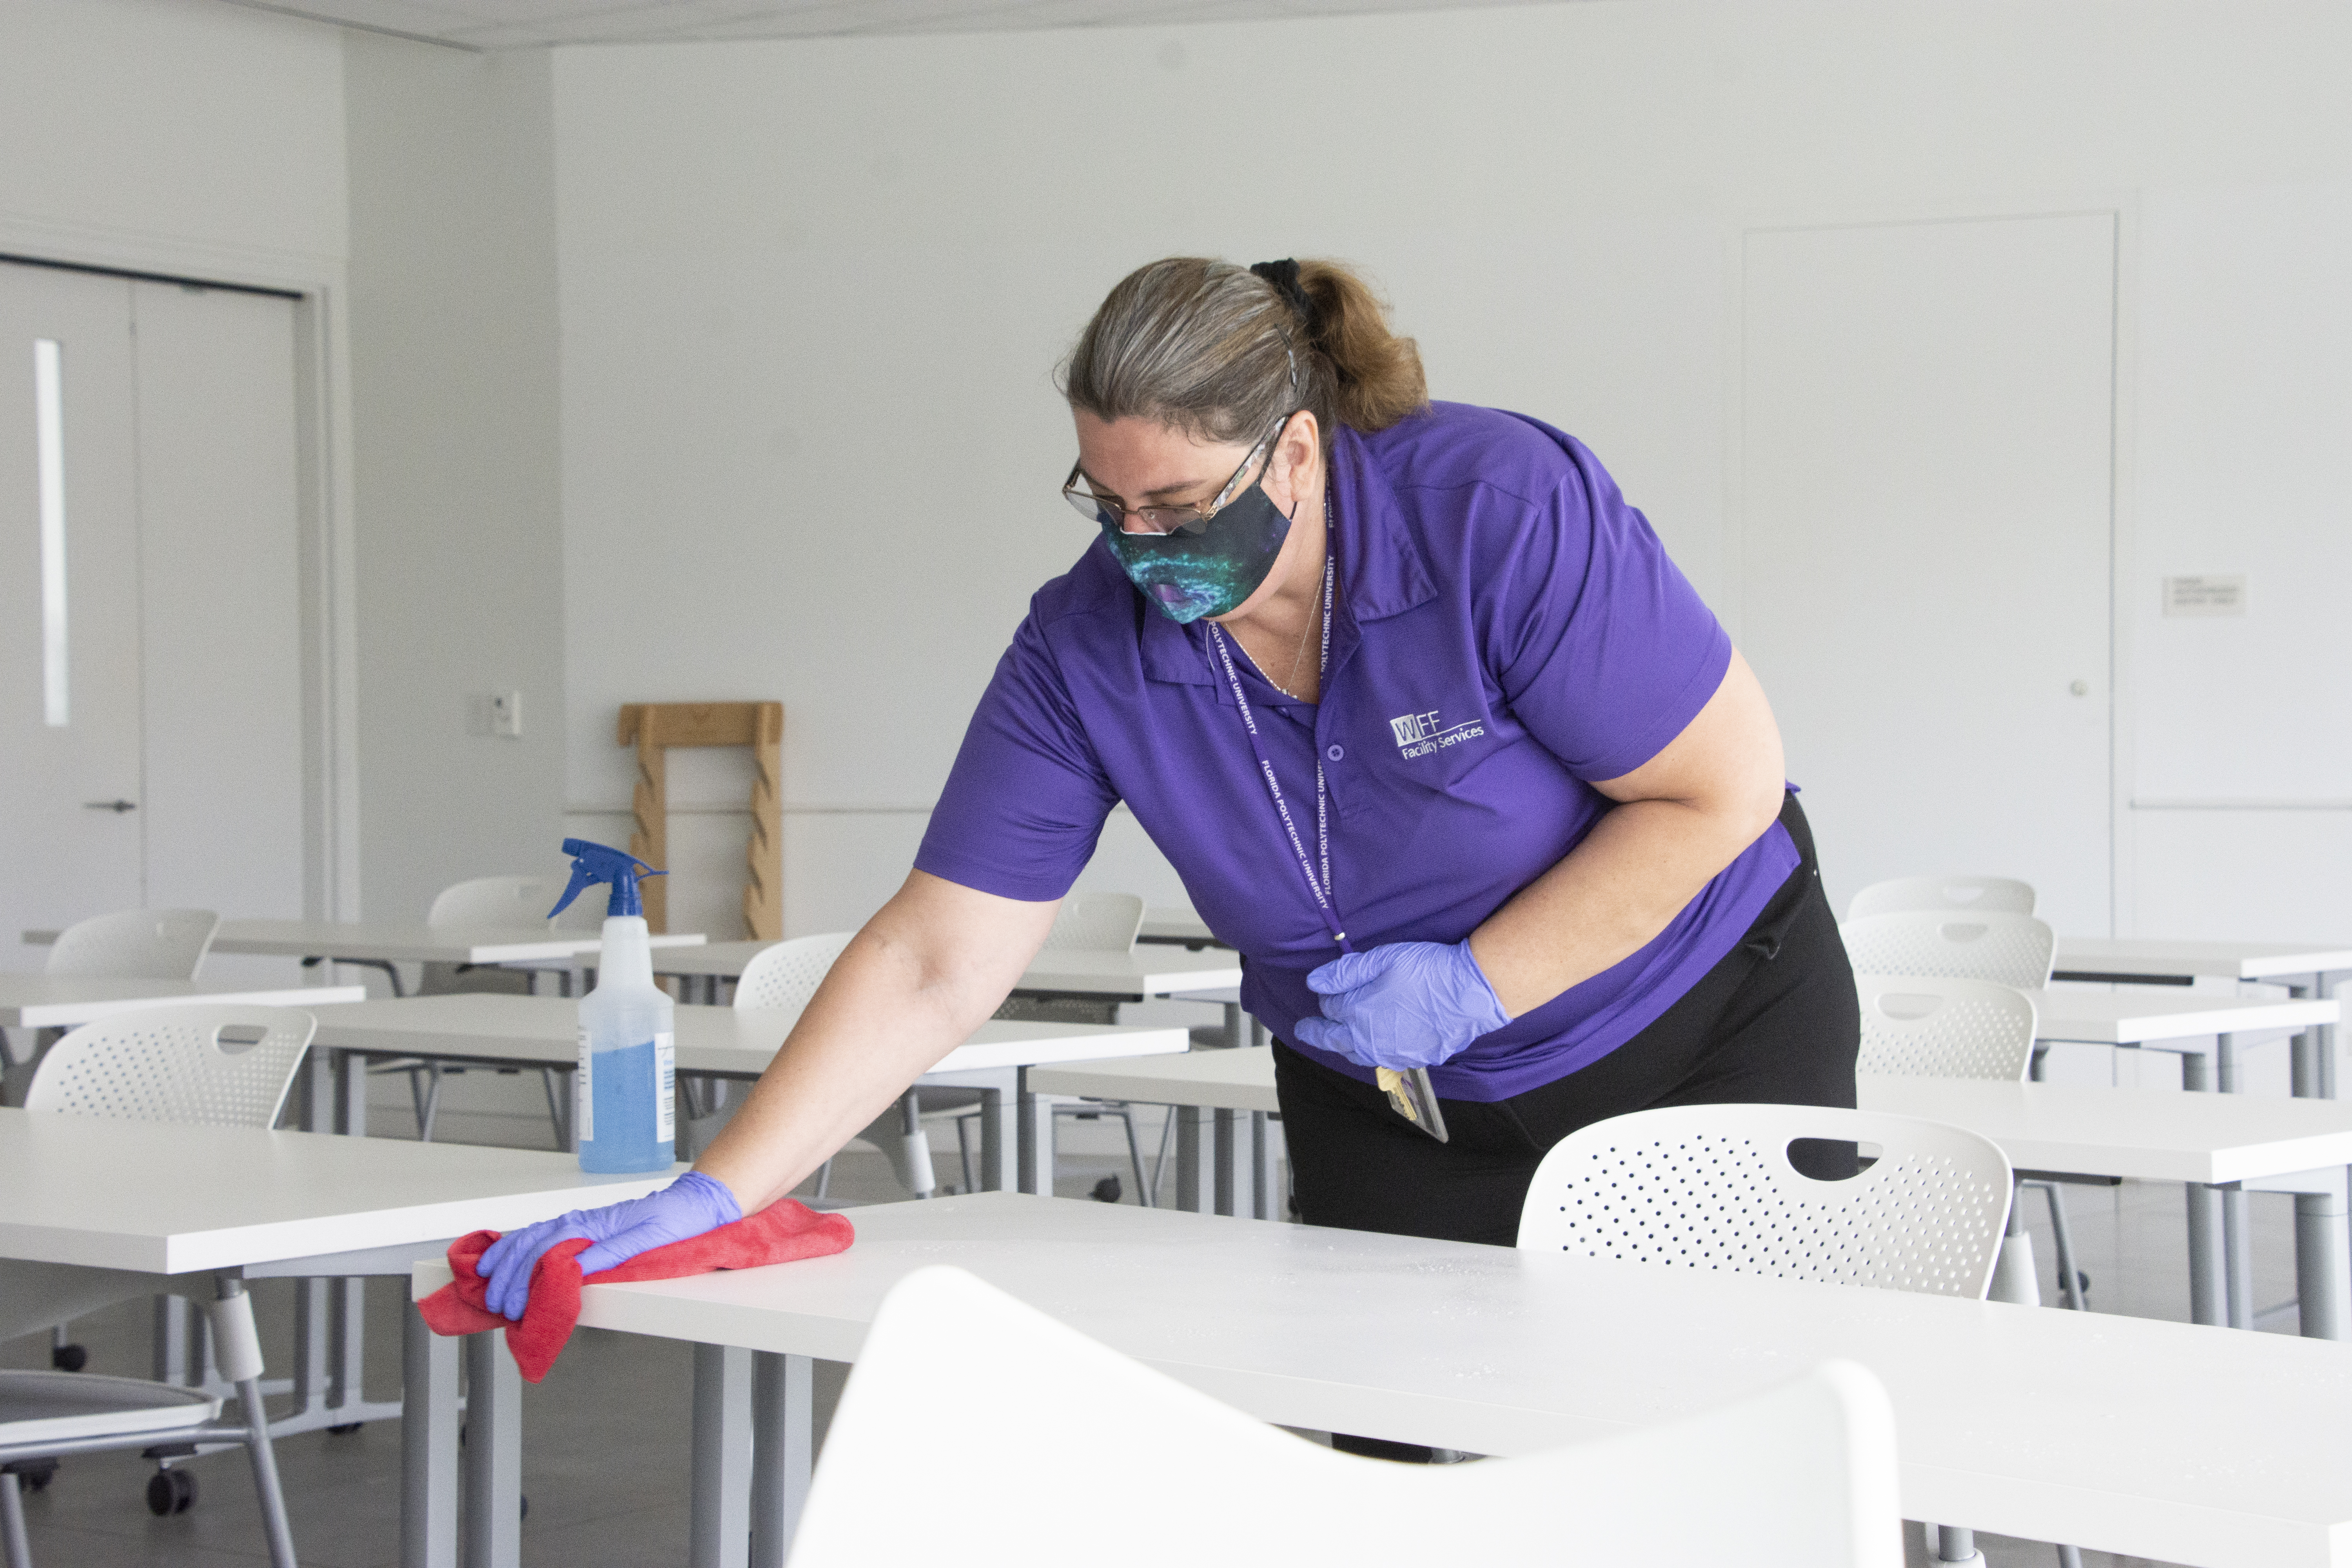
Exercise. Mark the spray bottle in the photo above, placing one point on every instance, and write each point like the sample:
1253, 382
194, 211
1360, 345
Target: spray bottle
623, 1109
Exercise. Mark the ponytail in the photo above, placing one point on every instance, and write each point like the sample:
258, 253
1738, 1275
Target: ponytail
1377, 375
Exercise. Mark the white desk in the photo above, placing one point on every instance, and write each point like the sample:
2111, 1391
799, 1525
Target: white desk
380, 944
96, 1205
2218, 1146
63, 1002
737, 1044
2109, 1432
1177, 927
2306, 969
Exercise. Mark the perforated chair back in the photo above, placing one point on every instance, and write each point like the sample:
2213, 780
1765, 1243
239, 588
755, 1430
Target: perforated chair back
135, 944
1968, 894
1710, 1187
1096, 922
2008, 950
1915, 1026
1803, 1474
224, 1066
516, 903
787, 974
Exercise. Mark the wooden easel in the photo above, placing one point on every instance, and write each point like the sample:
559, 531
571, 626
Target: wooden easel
654, 728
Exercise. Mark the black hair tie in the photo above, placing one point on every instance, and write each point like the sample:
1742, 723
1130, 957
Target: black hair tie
1284, 276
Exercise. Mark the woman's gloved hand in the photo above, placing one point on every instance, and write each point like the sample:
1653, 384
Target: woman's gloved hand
1402, 1005
686, 1208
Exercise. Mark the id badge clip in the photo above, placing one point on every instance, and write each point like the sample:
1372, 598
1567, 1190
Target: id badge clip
1410, 1097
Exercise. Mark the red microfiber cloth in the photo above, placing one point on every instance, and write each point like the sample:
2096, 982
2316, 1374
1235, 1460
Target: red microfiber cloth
783, 1232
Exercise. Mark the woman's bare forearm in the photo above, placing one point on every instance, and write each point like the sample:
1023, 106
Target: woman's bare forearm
924, 971
1680, 819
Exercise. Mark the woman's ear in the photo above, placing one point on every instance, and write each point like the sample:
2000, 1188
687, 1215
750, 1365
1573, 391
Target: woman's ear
1298, 455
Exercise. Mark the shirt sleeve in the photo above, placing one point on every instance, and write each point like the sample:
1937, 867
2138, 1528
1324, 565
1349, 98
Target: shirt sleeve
1027, 796
1604, 649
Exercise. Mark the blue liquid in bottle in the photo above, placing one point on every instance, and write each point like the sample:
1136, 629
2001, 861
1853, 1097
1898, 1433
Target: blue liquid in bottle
629, 1108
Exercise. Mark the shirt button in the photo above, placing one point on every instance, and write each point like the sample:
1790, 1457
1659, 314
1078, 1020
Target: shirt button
1336, 753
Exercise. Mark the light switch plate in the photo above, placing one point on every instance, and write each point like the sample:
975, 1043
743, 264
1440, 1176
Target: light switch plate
506, 714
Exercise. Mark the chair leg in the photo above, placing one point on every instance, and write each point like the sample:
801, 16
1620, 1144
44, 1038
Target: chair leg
963, 1151
430, 1112
914, 1150
1159, 1160
14, 1545
547, 1080
2070, 1557
1143, 1194
239, 1354
2070, 1283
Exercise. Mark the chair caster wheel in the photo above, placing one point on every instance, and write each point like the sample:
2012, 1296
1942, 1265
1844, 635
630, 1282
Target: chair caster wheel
69, 1358
345, 1430
1109, 1191
170, 1492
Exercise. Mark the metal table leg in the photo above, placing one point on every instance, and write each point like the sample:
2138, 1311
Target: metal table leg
1264, 1199
1035, 1117
2237, 1256
2208, 1301
493, 1458
2322, 1264
1234, 1030
428, 1446
720, 1531
1195, 1161
783, 1453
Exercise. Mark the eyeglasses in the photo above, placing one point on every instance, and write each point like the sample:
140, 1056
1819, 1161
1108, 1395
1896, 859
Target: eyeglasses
1191, 517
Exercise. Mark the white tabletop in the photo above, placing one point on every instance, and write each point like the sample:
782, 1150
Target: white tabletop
2151, 1134
2143, 1015
2162, 1439
1144, 972
405, 941
2157, 956
731, 1042
1174, 925
171, 1197
60, 1002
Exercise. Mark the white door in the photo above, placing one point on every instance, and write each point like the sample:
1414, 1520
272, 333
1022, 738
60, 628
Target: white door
1925, 490
160, 762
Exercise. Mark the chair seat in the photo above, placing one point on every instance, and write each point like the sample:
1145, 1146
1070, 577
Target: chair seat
63, 1406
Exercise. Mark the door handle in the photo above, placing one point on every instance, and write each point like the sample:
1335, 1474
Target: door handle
116, 807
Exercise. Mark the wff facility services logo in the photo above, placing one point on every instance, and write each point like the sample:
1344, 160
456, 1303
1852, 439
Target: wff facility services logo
1419, 734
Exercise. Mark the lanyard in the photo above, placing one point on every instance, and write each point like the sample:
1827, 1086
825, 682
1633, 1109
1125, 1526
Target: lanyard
1320, 886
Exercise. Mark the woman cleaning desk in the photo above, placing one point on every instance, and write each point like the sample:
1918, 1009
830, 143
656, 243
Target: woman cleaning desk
1433, 731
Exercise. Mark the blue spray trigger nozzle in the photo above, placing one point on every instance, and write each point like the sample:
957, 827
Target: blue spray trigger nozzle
593, 863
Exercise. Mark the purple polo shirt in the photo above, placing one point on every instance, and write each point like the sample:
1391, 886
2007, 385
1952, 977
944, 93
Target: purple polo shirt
1506, 629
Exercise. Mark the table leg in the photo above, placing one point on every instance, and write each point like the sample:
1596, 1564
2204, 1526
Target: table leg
720, 1534
1264, 1199
1194, 1163
2323, 986
428, 1446
173, 1337
2322, 1264
493, 1460
2238, 1257
1234, 1030
998, 1171
2194, 1076
2225, 1064
2303, 1069
783, 1453
1233, 1153
2206, 1298
1036, 1114
1257, 1030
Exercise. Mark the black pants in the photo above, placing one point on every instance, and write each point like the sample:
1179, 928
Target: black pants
1774, 1023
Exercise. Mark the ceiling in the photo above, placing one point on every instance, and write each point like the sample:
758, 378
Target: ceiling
532, 24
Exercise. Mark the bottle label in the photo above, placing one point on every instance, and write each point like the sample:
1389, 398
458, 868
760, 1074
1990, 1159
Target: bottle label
583, 1098
665, 1088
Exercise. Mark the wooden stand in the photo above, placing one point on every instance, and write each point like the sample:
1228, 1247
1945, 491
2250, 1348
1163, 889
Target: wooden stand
654, 728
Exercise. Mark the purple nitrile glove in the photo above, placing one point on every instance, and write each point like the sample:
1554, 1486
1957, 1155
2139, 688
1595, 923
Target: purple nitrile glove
686, 1208
1405, 1004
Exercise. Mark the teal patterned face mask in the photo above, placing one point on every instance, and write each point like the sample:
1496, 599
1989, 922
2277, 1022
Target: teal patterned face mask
1212, 572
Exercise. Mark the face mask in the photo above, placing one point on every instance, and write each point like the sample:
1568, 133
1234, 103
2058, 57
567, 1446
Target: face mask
1212, 572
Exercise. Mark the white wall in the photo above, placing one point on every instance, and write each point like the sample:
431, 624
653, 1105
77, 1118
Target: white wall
460, 557
811, 292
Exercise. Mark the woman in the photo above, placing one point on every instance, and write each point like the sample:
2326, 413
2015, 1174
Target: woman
1432, 729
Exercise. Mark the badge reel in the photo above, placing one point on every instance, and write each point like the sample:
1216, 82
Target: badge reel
1410, 1097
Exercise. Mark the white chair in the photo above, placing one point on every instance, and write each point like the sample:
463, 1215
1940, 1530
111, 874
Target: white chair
1803, 1474
1919, 1028
786, 975
1711, 1187
1096, 922
219, 1065
1089, 922
512, 903
2008, 950
135, 944
1962, 894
